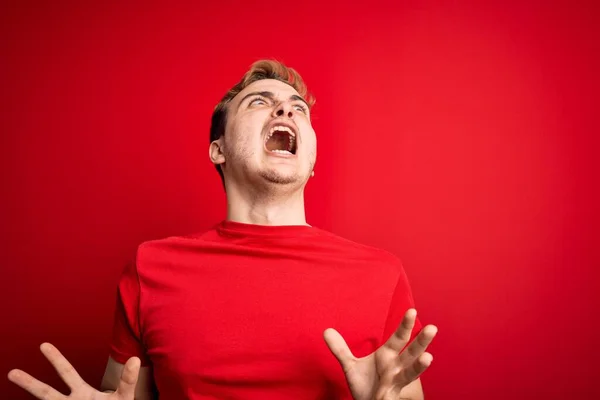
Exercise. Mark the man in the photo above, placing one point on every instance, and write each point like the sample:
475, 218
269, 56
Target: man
240, 312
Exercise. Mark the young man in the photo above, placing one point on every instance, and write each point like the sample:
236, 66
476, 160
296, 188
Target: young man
241, 311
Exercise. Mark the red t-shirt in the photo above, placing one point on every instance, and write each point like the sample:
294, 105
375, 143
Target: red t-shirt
239, 311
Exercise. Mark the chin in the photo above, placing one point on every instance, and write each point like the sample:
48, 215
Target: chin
279, 178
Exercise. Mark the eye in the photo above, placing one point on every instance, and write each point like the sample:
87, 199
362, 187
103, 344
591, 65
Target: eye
301, 108
258, 101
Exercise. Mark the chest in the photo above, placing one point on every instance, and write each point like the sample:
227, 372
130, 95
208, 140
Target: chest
239, 323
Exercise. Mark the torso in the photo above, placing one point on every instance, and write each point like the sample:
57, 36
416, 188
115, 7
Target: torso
243, 317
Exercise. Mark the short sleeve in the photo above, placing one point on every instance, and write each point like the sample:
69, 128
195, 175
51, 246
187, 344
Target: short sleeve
126, 339
402, 300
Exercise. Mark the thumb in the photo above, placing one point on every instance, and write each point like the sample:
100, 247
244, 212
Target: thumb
339, 348
129, 378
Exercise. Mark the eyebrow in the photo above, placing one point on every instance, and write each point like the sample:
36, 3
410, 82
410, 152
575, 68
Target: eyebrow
271, 96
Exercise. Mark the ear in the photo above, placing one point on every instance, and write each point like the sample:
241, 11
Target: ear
215, 152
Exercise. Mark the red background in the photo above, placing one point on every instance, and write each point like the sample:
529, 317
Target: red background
462, 137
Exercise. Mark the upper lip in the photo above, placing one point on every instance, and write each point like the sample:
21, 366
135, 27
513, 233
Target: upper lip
280, 122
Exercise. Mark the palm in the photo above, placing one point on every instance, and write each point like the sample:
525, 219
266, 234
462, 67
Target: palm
384, 373
79, 388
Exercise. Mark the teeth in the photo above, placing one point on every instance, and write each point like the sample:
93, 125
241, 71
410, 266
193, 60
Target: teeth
281, 151
281, 128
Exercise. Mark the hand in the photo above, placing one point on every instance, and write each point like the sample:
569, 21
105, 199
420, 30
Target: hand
384, 373
79, 389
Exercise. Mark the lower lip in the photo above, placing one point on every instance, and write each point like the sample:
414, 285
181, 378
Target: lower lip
280, 155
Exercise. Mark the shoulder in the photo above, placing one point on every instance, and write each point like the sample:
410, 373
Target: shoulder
167, 247
354, 248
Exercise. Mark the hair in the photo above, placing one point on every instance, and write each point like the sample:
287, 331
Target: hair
262, 69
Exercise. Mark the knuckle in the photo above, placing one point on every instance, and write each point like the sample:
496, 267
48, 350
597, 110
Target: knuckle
45, 393
422, 339
394, 370
67, 369
413, 351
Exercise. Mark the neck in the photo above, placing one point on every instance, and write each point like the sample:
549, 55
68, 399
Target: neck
265, 208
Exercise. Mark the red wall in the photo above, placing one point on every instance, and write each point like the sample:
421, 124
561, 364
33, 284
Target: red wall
463, 138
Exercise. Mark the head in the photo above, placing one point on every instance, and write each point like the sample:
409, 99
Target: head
261, 130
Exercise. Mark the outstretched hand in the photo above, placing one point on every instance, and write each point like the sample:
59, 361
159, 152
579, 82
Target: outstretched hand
79, 388
384, 373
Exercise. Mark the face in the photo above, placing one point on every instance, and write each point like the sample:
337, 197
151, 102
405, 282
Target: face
268, 136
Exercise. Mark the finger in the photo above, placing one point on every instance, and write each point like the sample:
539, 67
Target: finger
400, 338
407, 375
129, 378
63, 367
37, 388
419, 344
339, 348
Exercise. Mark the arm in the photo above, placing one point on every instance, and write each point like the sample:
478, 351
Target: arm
127, 338
112, 377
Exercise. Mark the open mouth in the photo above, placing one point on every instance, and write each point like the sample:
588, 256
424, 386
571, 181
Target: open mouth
281, 140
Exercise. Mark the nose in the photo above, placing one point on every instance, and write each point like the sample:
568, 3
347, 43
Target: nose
284, 108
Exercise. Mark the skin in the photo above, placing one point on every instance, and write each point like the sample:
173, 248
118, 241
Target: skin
265, 188
128, 381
